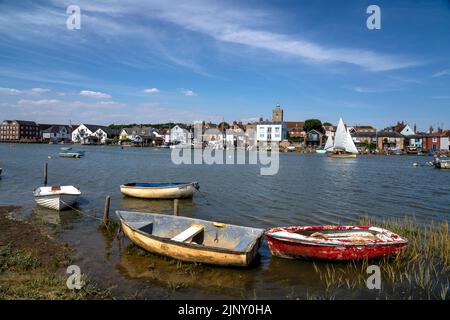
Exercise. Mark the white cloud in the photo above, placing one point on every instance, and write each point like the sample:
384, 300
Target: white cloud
9, 91
43, 102
188, 93
151, 90
442, 73
39, 90
94, 94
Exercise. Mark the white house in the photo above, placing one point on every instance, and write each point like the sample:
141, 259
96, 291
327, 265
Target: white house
271, 131
92, 134
57, 133
180, 135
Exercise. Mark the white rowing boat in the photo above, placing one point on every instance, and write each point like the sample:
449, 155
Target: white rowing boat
56, 197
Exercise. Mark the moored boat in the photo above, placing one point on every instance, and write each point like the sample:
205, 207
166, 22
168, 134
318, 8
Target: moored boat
71, 154
66, 148
1, 171
334, 242
160, 190
56, 197
442, 164
192, 240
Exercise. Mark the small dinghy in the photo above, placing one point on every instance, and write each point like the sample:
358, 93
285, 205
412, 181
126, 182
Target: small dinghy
71, 154
192, 240
160, 190
56, 197
334, 242
66, 148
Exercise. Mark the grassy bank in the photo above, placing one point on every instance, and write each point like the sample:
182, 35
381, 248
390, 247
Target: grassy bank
33, 265
421, 271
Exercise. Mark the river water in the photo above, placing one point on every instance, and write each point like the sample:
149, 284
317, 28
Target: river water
308, 189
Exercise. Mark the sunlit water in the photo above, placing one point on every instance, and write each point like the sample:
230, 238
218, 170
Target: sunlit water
308, 190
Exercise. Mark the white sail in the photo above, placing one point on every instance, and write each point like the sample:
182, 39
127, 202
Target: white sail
329, 145
350, 145
341, 136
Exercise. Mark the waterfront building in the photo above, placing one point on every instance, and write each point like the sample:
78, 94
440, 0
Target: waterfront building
56, 133
19, 131
181, 135
295, 129
314, 138
389, 140
270, 131
364, 138
362, 129
140, 135
93, 134
235, 135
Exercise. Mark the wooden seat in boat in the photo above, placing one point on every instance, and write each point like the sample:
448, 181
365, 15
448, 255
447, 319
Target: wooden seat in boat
189, 233
56, 188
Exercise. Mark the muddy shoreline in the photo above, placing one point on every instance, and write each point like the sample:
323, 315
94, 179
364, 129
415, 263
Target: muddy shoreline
33, 264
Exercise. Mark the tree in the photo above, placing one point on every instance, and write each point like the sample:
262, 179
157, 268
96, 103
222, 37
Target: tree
327, 124
313, 124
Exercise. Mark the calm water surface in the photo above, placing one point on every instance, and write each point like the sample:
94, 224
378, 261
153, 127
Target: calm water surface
309, 189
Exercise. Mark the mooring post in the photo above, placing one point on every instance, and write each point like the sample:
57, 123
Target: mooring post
106, 210
45, 173
175, 207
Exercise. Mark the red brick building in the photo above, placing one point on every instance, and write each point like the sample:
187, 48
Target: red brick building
19, 130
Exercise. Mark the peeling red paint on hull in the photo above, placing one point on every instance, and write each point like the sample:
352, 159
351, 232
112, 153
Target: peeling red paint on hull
336, 243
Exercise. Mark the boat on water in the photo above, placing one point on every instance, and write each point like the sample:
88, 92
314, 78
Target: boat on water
66, 148
1, 171
329, 146
334, 242
56, 197
343, 145
441, 164
192, 240
71, 154
175, 190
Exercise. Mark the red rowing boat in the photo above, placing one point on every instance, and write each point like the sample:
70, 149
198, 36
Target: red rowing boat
334, 242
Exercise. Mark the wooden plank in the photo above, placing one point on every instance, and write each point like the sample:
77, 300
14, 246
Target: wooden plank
189, 233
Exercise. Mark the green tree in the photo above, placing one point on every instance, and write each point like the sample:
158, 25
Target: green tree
313, 124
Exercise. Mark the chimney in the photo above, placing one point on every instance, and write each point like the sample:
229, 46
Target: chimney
431, 129
415, 128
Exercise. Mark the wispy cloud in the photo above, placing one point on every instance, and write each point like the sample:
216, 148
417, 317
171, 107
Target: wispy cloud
188, 93
442, 73
94, 94
9, 91
39, 90
152, 90
13, 91
33, 103
220, 21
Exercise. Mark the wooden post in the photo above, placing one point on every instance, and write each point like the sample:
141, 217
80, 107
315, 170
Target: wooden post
106, 210
175, 206
45, 173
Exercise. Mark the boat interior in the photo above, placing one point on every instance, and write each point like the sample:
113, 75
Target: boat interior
343, 234
193, 231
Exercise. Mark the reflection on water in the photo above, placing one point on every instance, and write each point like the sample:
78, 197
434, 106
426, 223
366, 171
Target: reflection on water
308, 190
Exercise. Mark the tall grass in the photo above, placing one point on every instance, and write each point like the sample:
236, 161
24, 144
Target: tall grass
421, 271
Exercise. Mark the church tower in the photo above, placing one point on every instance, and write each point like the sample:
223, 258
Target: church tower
277, 114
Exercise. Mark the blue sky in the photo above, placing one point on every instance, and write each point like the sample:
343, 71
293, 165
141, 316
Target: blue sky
156, 61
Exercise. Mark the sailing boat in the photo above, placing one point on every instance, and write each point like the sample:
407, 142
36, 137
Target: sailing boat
343, 146
329, 145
